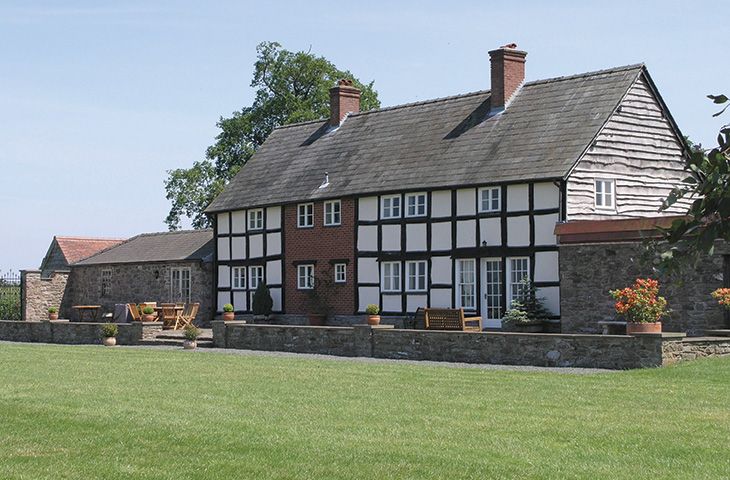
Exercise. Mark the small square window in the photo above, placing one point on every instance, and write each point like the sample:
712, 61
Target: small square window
332, 213
415, 205
416, 276
605, 194
340, 273
390, 277
390, 207
256, 219
239, 278
305, 277
490, 199
305, 217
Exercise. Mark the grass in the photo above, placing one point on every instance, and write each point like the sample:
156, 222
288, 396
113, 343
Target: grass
93, 412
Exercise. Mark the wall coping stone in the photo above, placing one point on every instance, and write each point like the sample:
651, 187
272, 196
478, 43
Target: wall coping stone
667, 335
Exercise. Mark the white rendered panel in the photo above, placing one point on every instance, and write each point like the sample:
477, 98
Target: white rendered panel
273, 272
256, 246
367, 238
276, 297
416, 237
392, 303
223, 298
490, 231
441, 236
441, 204
238, 219
222, 222
441, 270
367, 208
239, 301
545, 229
466, 233
518, 231
416, 301
273, 243
547, 195
366, 296
546, 267
367, 270
441, 297
224, 276
238, 248
517, 198
391, 237
224, 248
466, 199
273, 218
552, 298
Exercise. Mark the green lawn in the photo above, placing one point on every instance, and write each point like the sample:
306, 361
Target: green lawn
93, 412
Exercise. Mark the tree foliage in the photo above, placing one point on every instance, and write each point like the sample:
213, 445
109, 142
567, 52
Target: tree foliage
290, 87
708, 216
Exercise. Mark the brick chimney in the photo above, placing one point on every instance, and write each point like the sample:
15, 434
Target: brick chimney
344, 99
508, 73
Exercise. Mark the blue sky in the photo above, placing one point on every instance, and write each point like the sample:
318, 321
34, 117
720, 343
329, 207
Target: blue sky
99, 99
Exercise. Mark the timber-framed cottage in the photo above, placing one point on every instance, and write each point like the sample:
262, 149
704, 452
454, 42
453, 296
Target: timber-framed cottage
448, 202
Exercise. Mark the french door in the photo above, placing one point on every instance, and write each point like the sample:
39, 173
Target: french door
492, 292
180, 284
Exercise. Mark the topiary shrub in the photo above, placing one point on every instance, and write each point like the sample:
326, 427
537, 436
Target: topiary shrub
191, 332
109, 330
262, 301
228, 307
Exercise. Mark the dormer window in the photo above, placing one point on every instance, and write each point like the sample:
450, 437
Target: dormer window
605, 194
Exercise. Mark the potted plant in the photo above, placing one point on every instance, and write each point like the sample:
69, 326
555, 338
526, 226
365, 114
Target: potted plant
372, 311
191, 334
722, 295
527, 313
109, 333
148, 314
262, 302
53, 313
228, 314
641, 306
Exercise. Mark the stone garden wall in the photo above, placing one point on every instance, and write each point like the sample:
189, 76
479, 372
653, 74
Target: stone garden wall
61, 331
39, 294
589, 271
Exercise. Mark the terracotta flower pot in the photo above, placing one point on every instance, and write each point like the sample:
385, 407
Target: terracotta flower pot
316, 320
189, 344
373, 319
109, 341
148, 318
653, 327
53, 316
229, 316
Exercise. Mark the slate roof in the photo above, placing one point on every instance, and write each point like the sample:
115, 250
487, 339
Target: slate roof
75, 249
447, 142
158, 247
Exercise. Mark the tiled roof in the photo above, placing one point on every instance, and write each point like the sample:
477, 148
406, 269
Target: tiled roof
75, 249
447, 142
158, 247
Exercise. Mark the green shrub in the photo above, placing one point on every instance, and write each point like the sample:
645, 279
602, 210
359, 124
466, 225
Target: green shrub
262, 301
516, 315
372, 309
148, 310
228, 308
191, 332
109, 330
53, 310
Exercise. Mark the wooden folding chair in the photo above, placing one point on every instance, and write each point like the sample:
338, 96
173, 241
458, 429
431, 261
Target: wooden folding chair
134, 311
169, 315
188, 316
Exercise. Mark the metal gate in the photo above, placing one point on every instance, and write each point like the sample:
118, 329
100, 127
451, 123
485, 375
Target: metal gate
10, 296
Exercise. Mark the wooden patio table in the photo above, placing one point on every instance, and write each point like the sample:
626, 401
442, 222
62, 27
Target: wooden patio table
90, 311
178, 312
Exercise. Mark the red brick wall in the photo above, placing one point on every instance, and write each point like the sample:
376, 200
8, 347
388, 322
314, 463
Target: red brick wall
322, 244
508, 72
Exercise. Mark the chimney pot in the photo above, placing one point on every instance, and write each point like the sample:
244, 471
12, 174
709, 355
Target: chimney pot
344, 99
508, 73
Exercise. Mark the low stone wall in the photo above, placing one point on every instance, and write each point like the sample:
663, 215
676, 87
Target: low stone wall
39, 294
697, 347
63, 331
580, 350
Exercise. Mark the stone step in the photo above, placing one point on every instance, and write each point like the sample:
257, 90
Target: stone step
157, 342
725, 332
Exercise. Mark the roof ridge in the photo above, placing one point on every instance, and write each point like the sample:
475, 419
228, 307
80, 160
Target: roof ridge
593, 73
66, 237
173, 232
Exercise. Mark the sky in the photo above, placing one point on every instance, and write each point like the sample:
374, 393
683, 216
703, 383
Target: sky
98, 100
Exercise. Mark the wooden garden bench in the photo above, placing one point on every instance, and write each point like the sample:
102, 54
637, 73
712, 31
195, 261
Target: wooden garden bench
450, 319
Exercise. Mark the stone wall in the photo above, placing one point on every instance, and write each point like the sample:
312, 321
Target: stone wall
139, 282
66, 332
589, 271
693, 348
590, 351
39, 294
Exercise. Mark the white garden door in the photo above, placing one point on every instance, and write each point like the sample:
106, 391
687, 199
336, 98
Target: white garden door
491, 292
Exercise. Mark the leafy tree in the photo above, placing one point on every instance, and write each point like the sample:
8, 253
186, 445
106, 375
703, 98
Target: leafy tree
290, 87
708, 216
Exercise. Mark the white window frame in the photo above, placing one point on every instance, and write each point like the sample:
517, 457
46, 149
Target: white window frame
490, 200
390, 208
305, 215
255, 275
256, 219
177, 285
599, 192
305, 276
390, 276
492, 288
238, 278
340, 273
417, 206
106, 282
332, 213
416, 276
512, 283
460, 285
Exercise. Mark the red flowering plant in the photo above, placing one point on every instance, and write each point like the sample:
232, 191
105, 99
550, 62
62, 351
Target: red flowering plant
722, 295
641, 302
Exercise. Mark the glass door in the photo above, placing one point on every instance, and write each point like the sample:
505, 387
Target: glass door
492, 292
